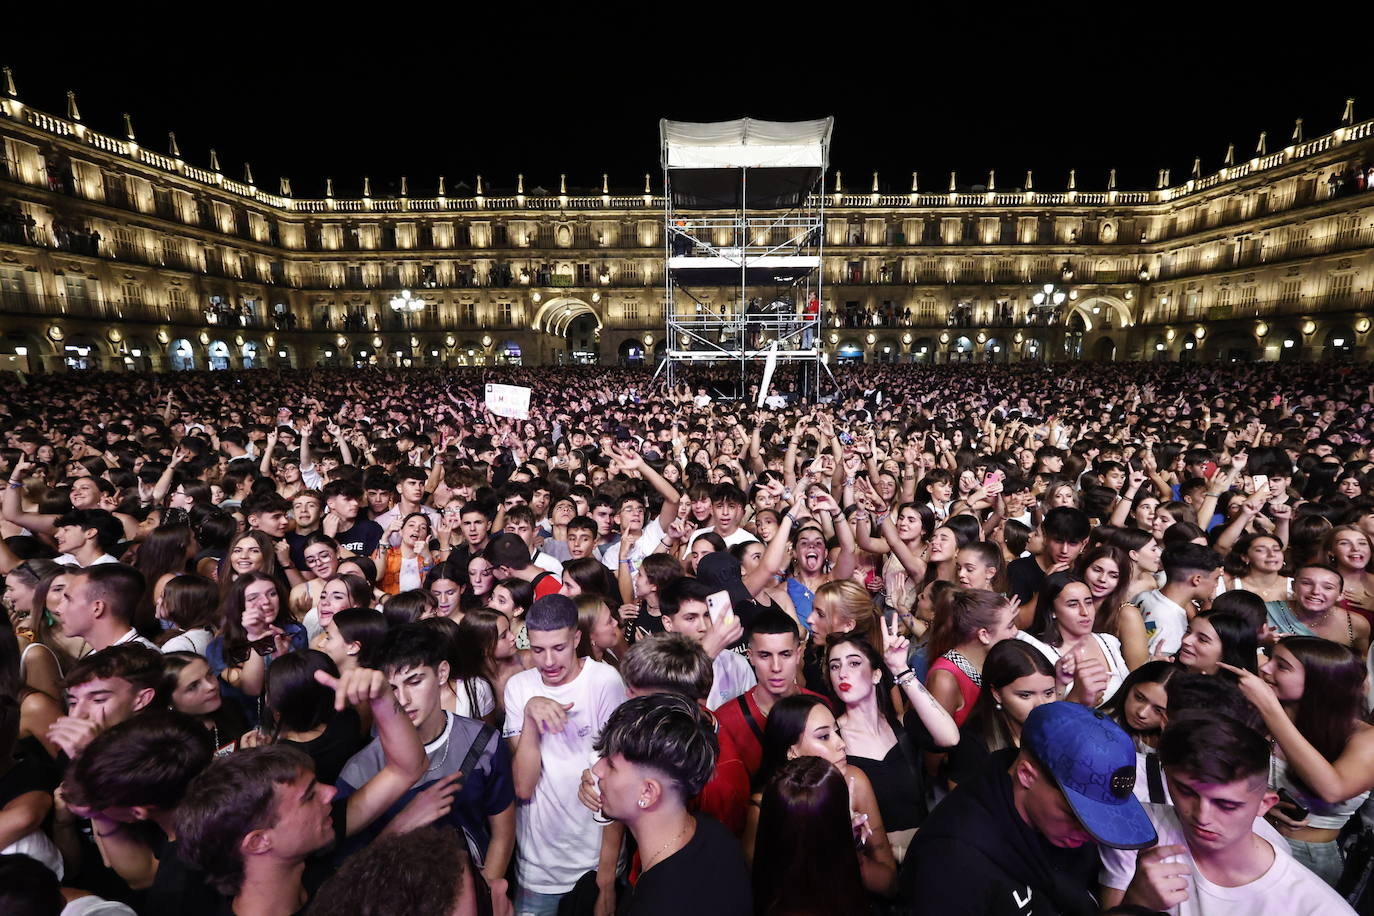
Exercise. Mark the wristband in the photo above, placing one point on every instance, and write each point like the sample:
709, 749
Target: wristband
849, 481
793, 519
906, 677
16, 486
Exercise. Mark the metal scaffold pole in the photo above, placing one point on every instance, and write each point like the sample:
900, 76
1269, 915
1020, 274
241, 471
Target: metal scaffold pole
744, 231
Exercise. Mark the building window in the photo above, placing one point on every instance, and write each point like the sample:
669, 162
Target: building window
504, 311
467, 312
1289, 291
630, 309
176, 299
132, 293
1340, 287
499, 236
584, 275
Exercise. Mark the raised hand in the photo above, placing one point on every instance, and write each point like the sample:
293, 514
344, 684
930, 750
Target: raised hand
723, 634
1160, 884
431, 804
1257, 690
355, 686
547, 716
895, 647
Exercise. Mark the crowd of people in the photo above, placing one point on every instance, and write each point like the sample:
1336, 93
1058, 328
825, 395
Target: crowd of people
1019, 639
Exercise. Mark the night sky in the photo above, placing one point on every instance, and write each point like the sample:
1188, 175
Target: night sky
342, 94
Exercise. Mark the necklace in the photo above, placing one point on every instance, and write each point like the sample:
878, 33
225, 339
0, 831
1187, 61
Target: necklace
653, 860
440, 762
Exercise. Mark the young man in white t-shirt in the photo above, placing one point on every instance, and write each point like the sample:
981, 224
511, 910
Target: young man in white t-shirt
683, 606
631, 511
554, 713
1191, 572
1211, 857
727, 513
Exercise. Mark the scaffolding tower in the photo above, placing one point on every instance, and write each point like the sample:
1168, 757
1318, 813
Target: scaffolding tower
744, 212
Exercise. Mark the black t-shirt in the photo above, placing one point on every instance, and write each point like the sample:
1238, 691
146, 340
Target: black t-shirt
975, 856
32, 770
178, 887
708, 875
297, 542
1025, 578
362, 538
332, 749
968, 760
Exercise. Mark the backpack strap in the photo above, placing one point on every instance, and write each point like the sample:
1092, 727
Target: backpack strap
743, 701
1154, 778
479, 746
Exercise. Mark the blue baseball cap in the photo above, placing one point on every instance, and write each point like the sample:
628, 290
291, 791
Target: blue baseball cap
1093, 762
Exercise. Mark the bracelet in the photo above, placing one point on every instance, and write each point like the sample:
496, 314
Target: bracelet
881, 517
793, 519
16, 486
849, 481
906, 677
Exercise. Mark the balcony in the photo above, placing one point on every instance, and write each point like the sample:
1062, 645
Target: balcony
27, 303
1279, 252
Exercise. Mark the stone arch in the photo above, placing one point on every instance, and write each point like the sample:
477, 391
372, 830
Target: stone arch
1119, 310
555, 315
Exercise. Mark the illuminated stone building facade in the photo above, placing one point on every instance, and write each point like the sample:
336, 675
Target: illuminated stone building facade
113, 255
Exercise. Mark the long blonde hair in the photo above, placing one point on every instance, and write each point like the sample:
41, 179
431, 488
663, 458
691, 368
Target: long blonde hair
849, 602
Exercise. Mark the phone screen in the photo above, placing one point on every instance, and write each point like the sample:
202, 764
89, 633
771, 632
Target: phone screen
718, 604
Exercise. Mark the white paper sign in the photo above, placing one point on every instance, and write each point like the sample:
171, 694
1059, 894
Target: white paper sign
509, 401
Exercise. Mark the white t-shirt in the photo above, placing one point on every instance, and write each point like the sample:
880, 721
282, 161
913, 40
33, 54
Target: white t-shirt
486, 701
96, 906
557, 841
738, 536
648, 541
548, 563
132, 636
1110, 646
1286, 889
1165, 622
190, 641
67, 559
733, 677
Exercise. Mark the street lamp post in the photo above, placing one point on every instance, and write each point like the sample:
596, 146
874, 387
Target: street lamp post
1046, 304
407, 304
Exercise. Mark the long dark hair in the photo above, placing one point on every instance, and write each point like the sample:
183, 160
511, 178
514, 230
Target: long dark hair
165, 550
190, 602
1332, 694
1108, 607
784, 728
1007, 661
1044, 627
1153, 672
466, 663
480, 627
236, 646
12, 682
804, 817
590, 576
882, 690
298, 703
1239, 641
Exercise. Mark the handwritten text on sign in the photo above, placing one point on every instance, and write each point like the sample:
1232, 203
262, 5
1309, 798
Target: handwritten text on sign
509, 401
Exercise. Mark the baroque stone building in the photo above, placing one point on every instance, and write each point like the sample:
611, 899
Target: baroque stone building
113, 255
